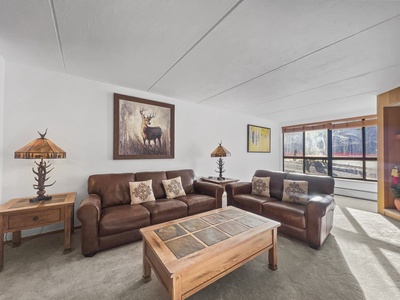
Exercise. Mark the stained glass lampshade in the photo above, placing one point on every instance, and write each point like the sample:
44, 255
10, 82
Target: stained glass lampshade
220, 152
41, 148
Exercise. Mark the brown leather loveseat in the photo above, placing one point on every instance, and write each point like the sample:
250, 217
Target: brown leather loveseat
311, 221
109, 219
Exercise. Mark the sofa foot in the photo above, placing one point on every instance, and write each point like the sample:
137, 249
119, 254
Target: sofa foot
314, 247
90, 254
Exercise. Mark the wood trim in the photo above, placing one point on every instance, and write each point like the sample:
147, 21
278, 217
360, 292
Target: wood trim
388, 147
361, 121
392, 213
382, 101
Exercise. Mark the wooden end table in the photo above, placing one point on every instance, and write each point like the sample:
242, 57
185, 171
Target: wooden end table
215, 180
19, 214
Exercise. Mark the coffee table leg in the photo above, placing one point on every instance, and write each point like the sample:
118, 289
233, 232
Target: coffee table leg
146, 271
272, 253
176, 289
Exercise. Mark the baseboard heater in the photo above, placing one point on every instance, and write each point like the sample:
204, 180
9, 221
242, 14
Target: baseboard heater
354, 193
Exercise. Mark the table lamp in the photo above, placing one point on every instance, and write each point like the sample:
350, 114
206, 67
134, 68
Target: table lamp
220, 152
41, 148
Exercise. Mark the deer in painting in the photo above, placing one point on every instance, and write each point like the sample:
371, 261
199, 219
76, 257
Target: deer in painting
150, 133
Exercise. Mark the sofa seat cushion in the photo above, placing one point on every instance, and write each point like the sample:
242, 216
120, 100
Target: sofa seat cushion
121, 218
285, 212
198, 203
163, 210
252, 203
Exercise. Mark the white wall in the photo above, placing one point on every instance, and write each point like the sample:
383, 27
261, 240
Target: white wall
2, 71
79, 116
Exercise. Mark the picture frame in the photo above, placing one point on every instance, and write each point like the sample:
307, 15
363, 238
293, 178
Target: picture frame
258, 139
143, 129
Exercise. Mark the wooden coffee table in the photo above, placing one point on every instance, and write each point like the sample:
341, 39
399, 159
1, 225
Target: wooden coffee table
190, 253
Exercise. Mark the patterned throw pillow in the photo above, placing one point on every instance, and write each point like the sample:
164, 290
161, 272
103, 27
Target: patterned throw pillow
141, 191
260, 186
295, 191
173, 187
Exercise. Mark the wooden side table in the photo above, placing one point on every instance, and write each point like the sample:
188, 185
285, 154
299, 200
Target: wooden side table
19, 214
215, 180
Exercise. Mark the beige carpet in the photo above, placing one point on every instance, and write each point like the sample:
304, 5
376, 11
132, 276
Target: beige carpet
359, 260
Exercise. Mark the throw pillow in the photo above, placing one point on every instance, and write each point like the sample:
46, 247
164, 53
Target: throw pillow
260, 186
295, 191
141, 191
173, 187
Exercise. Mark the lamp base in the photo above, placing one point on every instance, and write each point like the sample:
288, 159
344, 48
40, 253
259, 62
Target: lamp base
40, 198
220, 170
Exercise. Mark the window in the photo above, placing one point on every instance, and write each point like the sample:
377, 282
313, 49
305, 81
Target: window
345, 148
371, 144
293, 165
347, 142
316, 143
293, 144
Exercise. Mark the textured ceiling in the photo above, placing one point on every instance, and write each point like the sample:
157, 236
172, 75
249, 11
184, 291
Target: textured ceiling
279, 60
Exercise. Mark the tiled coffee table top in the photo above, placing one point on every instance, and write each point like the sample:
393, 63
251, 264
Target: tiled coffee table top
193, 235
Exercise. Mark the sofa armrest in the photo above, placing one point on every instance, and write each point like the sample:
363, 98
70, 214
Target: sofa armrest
210, 189
317, 206
89, 214
236, 188
319, 219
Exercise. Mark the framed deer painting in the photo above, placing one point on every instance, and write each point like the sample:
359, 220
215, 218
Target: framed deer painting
143, 129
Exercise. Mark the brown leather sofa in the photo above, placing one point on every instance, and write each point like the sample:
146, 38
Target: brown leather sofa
108, 219
311, 223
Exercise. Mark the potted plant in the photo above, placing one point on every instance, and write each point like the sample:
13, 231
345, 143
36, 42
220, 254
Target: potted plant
396, 187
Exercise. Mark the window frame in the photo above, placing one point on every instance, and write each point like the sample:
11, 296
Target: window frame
358, 122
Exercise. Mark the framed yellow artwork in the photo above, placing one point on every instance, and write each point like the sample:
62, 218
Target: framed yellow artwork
258, 139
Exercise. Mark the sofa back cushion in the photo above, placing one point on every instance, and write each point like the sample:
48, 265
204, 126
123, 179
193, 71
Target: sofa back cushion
187, 177
113, 189
317, 184
275, 183
157, 177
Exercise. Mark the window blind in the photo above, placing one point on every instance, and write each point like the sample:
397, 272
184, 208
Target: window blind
362, 121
